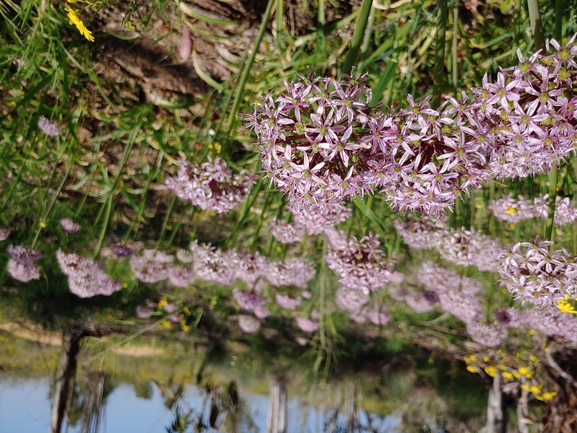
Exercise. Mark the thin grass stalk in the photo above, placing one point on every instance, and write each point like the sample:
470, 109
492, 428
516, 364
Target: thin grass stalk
357, 38
246, 71
549, 223
559, 11
107, 216
321, 13
536, 24
165, 222
439, 71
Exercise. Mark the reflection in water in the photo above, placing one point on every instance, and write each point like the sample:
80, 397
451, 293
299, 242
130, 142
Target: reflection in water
400, 396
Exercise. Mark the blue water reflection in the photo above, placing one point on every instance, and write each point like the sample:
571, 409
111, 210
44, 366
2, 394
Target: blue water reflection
25, 407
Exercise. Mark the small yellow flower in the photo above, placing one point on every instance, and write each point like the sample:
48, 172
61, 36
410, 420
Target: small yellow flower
162, 303
165, 324
525, 387
511, 210
486, 359
529, 375
546, 396
78, 24
168, 227
491, 371
124, 285
516, 375
547, 350
278, 249
566, 307
217, 147
472, 369
43, 224
184, 326
534, 389
508, 375
531, 332
523, 370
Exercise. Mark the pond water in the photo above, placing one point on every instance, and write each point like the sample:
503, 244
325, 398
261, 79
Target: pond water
25, 407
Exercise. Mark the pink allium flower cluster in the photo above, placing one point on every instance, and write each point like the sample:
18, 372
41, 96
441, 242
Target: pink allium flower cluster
143, 312
21, 265
422, 233
360, 264
418, 303
487, 335
510, 317
463, 305
261, 312
70, 226
470, 248
49, 127
378, 316
526, 118
85, 277
292, 271
248, 324
552, 322
211, 185
315, 223
4, 233
349, 299
225, 267
565, 213
321, 143
248, 300
151, 267
121, 251
512, 210
180, 276
307, 325
287, 301
287, 233
536, 276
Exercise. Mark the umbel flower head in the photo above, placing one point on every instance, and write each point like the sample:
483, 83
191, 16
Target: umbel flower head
211, 185
321, 144
526, 118
21, 265
536, 276
85, 277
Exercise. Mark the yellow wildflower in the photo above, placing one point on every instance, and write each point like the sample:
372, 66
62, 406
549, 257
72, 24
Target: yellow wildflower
162, 303
217, 147
508, 375
546, 396
486, 359
531, 332
78, 24
534, 389
491, 371
472, 369
165, 324
43, 224
511, 210
566, 307
523, 370
525, 387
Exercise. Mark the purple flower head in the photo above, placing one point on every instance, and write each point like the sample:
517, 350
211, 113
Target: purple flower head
248, 300
552, 322
287, 233
512, 210
70, 226
307, 325
360, 264
565, 213
180, 276
248, 324
121, 250
143, 312
4, 233
148, 270
377, 315
85, 277
261, 312
292, 271
23, 255
169, 308
23, 272
509, 317
487, 335
350, 299
463, 306
287, 301
49, 127
536, 276
418, 304
213, 265
211, 185
420, 234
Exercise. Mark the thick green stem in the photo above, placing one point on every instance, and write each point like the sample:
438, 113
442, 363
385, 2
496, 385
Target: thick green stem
536, 24
439, 72
357, 38
559, 11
